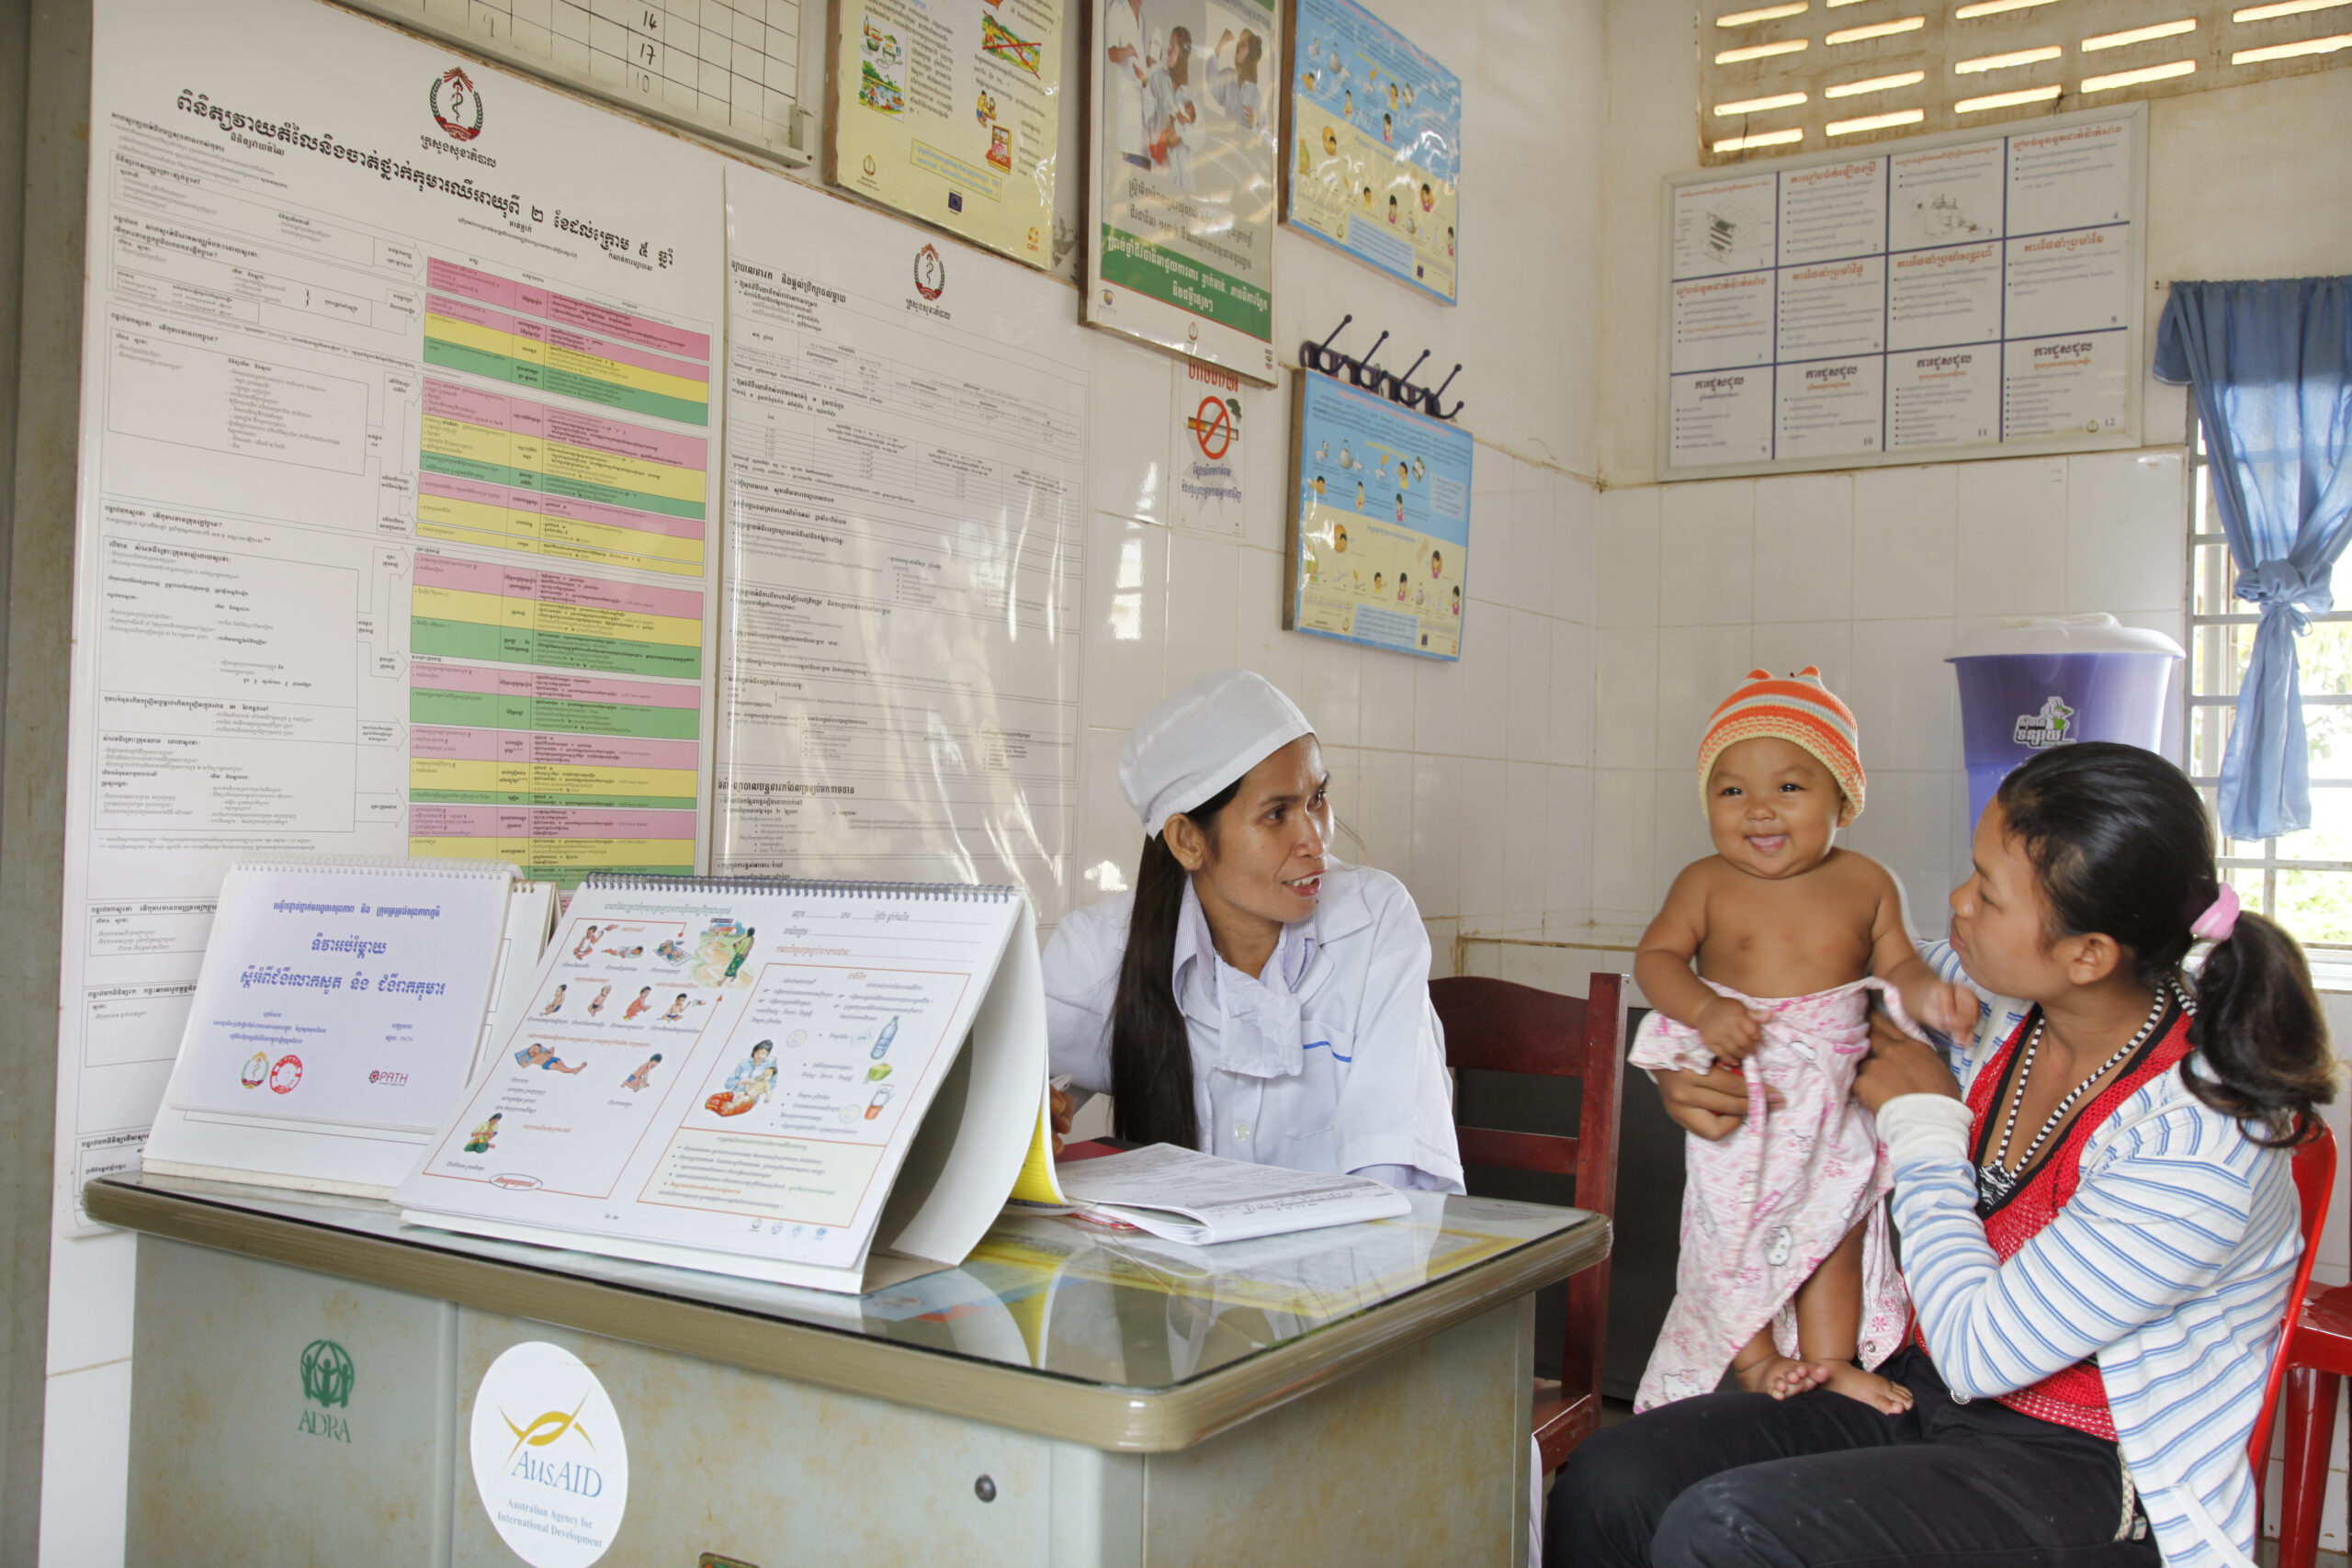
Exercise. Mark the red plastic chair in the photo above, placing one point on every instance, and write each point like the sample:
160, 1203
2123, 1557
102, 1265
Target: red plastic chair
2314, 1350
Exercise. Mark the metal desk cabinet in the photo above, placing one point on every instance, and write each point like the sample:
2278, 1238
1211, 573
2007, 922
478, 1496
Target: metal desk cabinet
305, 1367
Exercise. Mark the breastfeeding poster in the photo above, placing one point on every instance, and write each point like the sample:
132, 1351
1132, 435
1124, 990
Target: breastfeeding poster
1376, 139
1185, 157
1380, 527
1952, 297
949, 111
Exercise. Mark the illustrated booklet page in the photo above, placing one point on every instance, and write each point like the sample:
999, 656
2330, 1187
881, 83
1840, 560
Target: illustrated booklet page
734, 1076
335, 1019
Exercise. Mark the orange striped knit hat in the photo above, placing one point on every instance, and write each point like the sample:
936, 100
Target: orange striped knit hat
1798, 709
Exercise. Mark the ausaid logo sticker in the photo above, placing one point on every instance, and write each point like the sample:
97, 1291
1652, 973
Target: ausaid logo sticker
457, 106
2047, 728
549, 1462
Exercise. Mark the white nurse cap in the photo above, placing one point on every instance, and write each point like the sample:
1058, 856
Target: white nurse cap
1203, 739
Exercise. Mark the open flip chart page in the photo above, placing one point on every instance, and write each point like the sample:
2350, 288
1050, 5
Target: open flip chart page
735, 1075
335, 1019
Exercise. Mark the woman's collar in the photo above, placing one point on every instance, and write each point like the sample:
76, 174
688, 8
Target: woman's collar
1294, 950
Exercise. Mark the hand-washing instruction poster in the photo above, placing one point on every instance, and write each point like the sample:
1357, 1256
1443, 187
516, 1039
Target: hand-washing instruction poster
1184, 158
397, 500
906, 447
1954, 297
1375, 144
1379, 522
950, 111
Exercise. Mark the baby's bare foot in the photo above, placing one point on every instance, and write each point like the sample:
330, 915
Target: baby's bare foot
1843, 1377
1779, 1376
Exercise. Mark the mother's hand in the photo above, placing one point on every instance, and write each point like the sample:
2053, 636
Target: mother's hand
1709, 1105
1899, 1064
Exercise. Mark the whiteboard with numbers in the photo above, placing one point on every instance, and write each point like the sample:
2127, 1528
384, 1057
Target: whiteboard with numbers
730, 69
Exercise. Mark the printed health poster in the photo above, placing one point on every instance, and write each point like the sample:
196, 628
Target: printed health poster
1380, 522
1956, 297
1184, 160
949, 111
396, 518
1376, 139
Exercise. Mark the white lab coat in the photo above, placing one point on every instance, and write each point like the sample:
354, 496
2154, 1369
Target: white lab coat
1360, 1083
1164, 107
1121, 84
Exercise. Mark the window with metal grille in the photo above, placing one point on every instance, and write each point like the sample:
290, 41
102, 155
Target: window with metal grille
1817, 74
2302, 881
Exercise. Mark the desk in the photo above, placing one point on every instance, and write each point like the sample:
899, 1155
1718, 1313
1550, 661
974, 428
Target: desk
1357, 1396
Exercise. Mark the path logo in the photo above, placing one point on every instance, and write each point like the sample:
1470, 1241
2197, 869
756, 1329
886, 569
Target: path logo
931, 273
2049, 728
457, 106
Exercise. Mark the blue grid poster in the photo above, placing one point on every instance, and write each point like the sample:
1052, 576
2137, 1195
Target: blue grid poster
1967, 296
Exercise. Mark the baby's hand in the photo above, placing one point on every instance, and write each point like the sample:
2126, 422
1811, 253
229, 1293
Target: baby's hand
1731, 1030
1941, 1005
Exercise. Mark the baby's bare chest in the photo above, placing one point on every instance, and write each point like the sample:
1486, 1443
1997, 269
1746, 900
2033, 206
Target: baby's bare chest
1780, 942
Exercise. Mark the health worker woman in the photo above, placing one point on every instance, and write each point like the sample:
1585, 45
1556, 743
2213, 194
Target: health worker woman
1254, 996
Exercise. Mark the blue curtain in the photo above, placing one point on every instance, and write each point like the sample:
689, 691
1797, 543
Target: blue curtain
2267, 364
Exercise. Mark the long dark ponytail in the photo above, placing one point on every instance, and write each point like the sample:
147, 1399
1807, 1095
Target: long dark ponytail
2123, 847
1151, 1051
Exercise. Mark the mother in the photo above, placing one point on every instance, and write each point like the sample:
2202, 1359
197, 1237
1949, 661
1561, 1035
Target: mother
2098, 1231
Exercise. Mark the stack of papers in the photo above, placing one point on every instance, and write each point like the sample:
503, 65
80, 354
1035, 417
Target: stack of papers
1199, 1199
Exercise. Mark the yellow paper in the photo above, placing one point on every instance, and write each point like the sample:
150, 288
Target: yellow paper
1036, 1184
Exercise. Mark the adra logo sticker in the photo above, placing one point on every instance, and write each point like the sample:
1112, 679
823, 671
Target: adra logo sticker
550, 1463
328, 1377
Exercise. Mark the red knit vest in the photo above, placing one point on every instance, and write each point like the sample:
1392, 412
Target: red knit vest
2073, 1396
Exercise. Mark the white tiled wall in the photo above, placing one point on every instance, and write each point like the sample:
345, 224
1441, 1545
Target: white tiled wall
1871, 576
1470, 781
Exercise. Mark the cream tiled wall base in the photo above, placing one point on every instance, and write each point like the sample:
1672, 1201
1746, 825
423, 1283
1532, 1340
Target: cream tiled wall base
1419, 1457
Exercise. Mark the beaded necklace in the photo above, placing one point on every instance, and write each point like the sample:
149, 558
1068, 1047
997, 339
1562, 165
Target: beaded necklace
1994, 1182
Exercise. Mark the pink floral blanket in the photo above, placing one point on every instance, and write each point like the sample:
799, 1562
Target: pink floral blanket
1763, 1206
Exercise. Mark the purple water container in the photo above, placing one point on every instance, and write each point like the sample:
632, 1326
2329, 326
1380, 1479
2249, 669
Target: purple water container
2026, 686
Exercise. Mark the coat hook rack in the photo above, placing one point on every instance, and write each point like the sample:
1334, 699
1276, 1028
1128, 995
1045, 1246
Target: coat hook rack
1360, 371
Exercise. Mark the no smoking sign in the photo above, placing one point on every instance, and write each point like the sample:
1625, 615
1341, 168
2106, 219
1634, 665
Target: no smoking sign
1211, 426
1208, 409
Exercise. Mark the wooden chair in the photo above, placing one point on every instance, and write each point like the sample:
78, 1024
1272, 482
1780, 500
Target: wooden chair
1500, 1027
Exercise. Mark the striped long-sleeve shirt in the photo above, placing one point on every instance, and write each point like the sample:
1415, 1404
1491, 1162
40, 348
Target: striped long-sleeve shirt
2170, 1265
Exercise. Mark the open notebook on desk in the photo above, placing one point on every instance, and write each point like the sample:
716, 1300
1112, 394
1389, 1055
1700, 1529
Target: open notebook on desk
1202, 1200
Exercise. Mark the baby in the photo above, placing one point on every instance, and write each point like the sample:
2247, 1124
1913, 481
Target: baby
1791, 935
